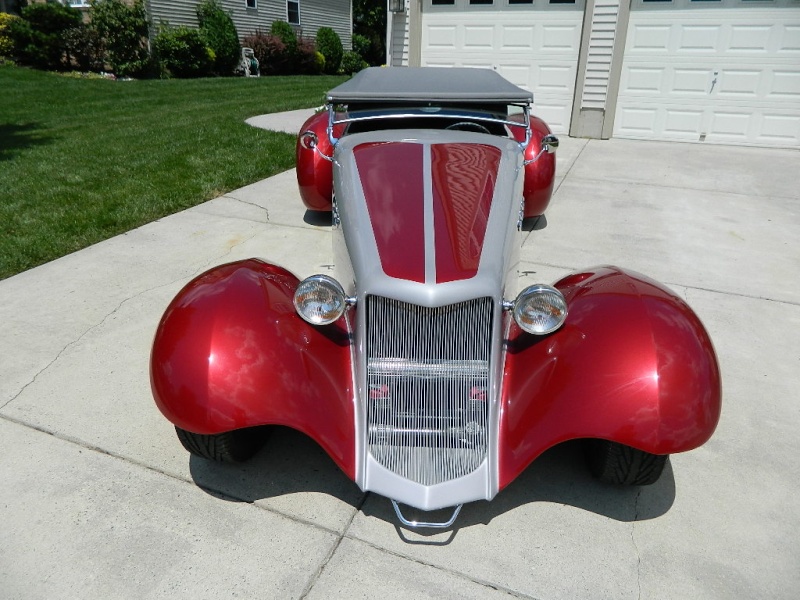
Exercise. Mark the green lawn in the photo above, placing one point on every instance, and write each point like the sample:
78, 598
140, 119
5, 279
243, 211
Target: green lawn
82, 160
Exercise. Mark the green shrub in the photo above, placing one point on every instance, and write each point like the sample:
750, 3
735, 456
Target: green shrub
319, 58
220, 35
38, 36
85, 46
6, 43
123, 31
270, 52
286, 33
352, 63
182, 52
308, 59
329, 44
361, 44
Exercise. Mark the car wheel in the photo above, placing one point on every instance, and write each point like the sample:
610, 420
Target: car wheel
231, 447
619, 464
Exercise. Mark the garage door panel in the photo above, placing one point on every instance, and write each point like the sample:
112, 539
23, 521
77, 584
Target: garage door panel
650, 39
534, 46
553, 112
479, 37
750, 38
561, 38
646, 81
693, 39
690, 81
730, 126
556, 78
517, 39
727, 73
740, 83
786, 85
780, 129
743, 125
519, 75
790, 40
441, 38
682, 122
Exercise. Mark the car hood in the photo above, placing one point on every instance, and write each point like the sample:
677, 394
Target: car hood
428, 216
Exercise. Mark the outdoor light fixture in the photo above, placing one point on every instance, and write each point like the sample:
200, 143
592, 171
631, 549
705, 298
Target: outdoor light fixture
397, 6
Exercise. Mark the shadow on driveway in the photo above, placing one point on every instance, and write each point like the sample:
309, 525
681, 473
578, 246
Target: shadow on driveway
291, 463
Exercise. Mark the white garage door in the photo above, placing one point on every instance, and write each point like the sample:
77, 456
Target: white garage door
534, 44
724, 71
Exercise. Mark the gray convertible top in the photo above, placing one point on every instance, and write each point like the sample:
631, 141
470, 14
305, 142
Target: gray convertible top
428, 84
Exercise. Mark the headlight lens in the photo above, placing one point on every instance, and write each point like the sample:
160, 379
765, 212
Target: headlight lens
320, 300
540, 309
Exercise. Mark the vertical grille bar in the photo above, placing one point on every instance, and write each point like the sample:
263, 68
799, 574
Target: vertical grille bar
428, 387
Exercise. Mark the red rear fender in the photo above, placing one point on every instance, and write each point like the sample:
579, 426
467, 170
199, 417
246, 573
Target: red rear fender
231, 352
632, 364
314, 173
539, 175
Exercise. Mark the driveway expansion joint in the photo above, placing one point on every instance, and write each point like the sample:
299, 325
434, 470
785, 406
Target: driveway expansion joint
318, 573
206, 489
452, 572
635, 545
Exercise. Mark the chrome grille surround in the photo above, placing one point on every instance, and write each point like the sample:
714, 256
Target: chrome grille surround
428, 387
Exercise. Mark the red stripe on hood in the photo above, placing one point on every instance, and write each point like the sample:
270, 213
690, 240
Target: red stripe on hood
464, 178
392, 179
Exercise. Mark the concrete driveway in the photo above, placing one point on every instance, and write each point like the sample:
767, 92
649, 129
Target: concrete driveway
99, 500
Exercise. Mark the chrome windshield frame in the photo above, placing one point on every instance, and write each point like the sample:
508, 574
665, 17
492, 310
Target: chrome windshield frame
421, 112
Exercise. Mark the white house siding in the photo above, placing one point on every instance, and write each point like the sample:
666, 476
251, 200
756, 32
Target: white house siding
335, 14
314, 14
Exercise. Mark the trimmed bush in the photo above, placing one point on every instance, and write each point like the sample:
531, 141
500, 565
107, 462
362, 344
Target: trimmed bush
329, 44
182, 52
270, 52
286, 33
361, 44
352, 63
220, 35
6, 43
309, 61
39, 35
85, 46
123, 31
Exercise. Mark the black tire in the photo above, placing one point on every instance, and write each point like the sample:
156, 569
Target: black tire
230, 447
619, 464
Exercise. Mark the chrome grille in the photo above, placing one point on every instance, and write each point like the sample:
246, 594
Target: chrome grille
428, 387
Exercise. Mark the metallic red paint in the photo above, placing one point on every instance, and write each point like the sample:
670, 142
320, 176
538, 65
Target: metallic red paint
464, 177
632, 364
391, 176
540, 175
314, 173
231, 352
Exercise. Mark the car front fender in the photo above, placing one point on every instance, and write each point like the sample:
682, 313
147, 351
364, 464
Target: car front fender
632, 364
231, 352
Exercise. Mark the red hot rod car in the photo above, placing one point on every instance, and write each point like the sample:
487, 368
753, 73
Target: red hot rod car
416, 367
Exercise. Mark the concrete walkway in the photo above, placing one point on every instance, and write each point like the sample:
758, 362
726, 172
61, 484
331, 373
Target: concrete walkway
99, 500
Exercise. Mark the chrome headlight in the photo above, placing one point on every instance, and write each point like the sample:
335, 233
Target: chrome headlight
319, 300
540, 309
